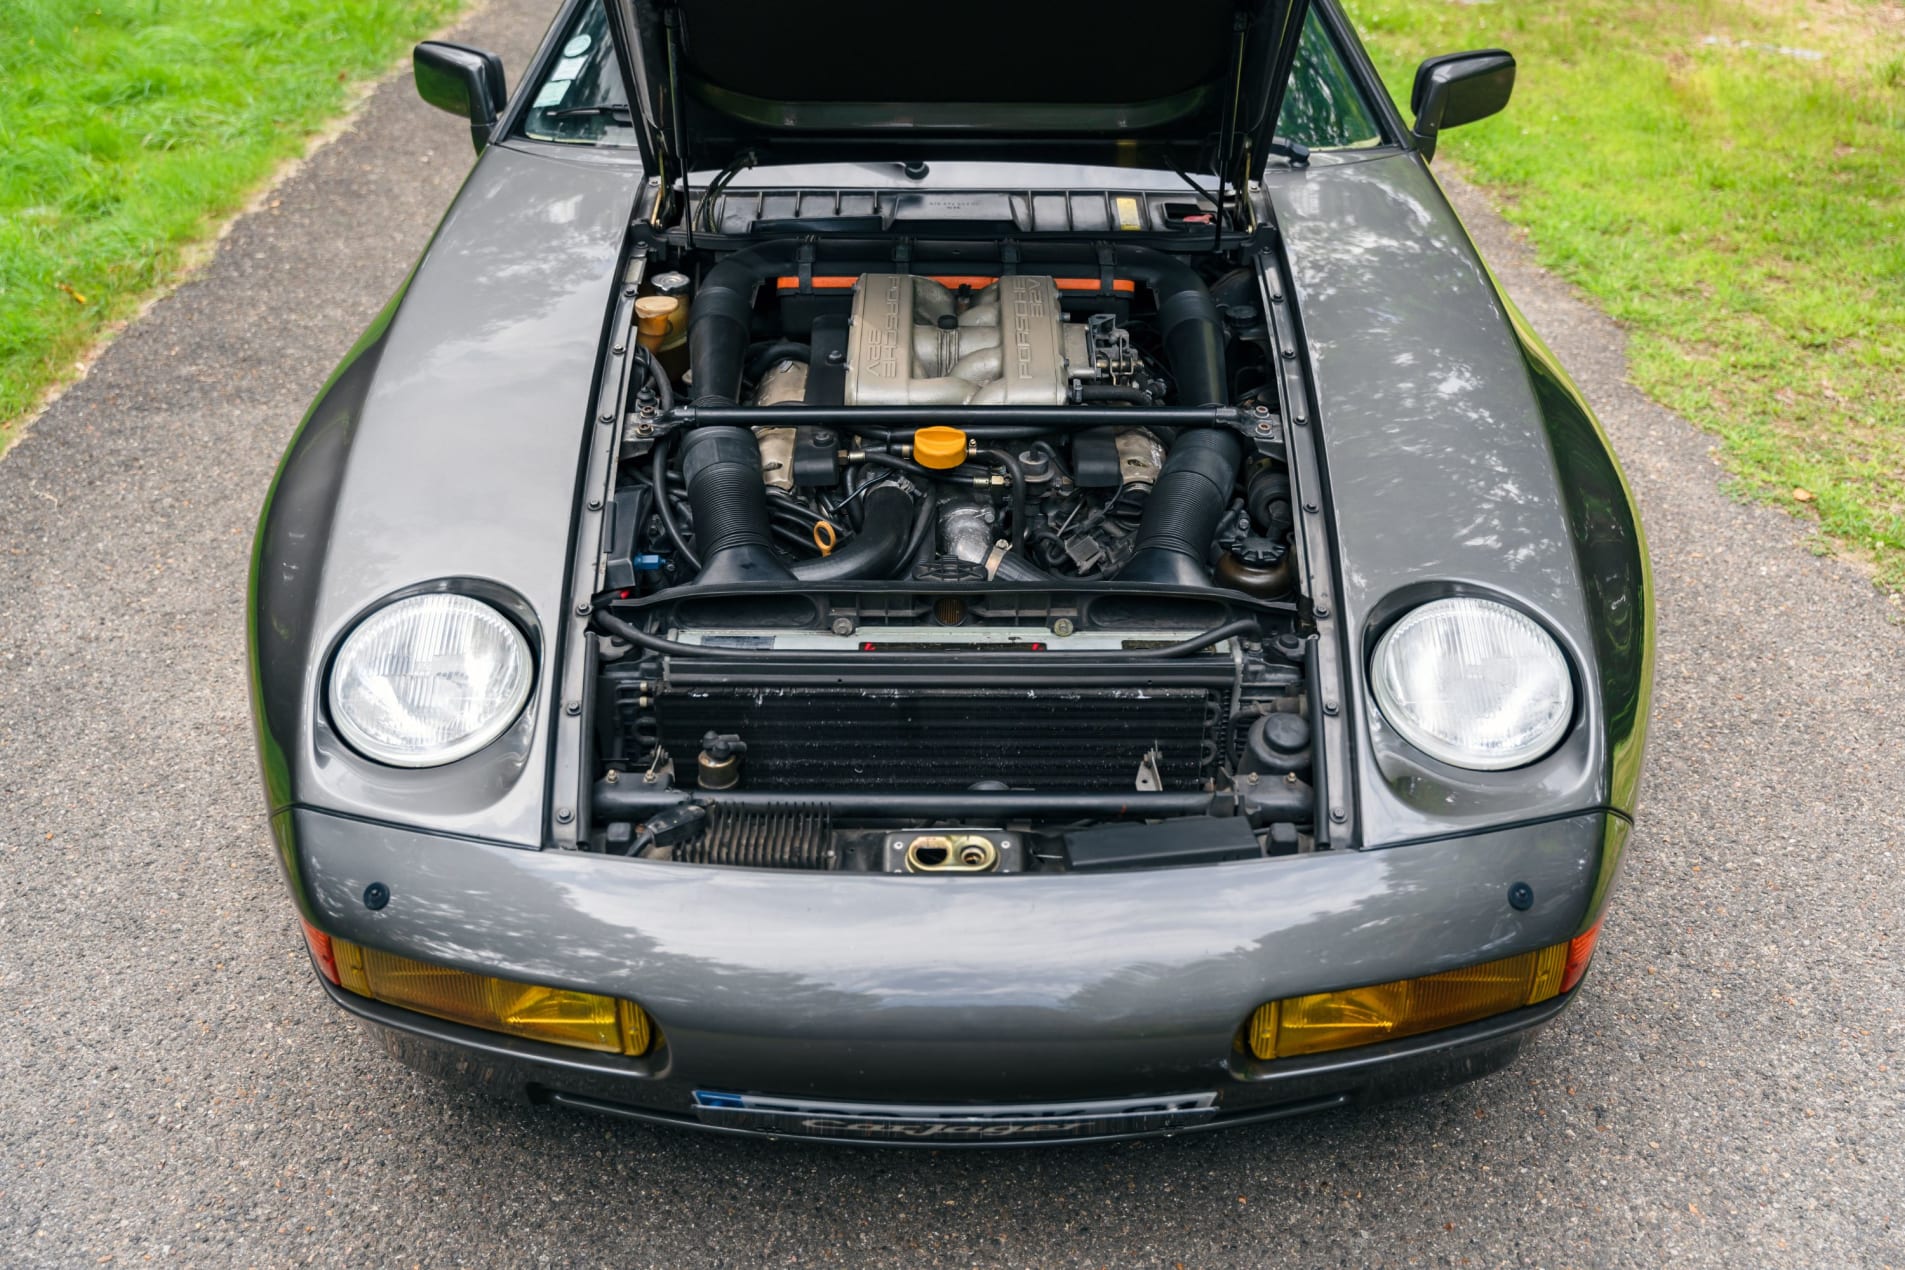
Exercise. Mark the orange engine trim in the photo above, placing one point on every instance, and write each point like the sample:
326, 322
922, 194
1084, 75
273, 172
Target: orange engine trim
844, 282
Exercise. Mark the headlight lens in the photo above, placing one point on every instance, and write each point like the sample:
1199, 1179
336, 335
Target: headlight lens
428, 680
1473, 683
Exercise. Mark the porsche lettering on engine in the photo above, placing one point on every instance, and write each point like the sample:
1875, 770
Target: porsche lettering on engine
916, 341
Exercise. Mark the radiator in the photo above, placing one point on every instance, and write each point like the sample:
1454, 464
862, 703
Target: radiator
872, 738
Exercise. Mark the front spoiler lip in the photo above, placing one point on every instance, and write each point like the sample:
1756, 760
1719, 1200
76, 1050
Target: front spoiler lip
627, 1111
651, 1091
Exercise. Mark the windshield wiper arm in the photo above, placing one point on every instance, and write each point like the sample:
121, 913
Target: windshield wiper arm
581, 112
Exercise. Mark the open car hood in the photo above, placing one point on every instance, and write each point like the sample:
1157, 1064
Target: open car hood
1120, 82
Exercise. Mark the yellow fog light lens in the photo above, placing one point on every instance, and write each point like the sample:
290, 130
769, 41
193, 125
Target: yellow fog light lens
559, 1016
1385, 1011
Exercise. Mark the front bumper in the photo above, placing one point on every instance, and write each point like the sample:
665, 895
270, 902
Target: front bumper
838, 995
548, 1076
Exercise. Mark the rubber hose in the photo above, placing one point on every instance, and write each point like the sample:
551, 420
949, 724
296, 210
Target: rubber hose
1015, 471
1181, 515
1098, 394
665, 509
876, 548
763, 357
723, 312
920, 544
657, 377
722, 469
792, 537
899, 464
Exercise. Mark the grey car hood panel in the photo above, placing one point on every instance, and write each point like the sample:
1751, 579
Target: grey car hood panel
1439, 466
456, 456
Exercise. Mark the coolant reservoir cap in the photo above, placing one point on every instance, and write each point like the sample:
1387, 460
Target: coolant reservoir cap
650, 307
939, 448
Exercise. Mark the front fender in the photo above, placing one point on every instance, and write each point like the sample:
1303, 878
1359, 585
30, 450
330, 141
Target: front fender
445, 451
1458, 458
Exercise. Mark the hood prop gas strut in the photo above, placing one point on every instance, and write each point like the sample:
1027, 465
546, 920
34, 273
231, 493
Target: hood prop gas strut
1240, 24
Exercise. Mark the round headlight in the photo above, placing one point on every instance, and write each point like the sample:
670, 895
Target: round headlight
1473, 683
428, 680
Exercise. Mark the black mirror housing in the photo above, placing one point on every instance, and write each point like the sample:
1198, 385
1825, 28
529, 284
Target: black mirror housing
464, 81
1459, 88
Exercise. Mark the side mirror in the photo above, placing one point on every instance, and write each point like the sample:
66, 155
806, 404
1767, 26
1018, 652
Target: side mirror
1459, 88
463, 81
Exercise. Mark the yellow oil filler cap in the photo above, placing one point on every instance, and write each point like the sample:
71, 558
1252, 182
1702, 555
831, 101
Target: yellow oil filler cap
939, 448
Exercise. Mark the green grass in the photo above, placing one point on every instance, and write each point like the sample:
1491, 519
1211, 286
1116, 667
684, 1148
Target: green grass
129, 128
1741, 211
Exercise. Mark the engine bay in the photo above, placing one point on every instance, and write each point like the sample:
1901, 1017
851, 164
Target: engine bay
951, 559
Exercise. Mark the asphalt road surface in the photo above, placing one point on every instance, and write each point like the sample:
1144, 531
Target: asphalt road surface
173, 1086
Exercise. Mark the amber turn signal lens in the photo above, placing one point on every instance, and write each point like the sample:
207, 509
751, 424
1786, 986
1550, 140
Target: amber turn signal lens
1380, 1012
1580, 951
558, 1016
320, 945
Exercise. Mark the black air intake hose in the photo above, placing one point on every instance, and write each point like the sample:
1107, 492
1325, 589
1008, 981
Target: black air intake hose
722, 470
1187, 319
874, 552
720, 324
1192, 490
722, 466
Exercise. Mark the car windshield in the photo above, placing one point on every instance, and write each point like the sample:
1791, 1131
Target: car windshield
581, 101
1323, 108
